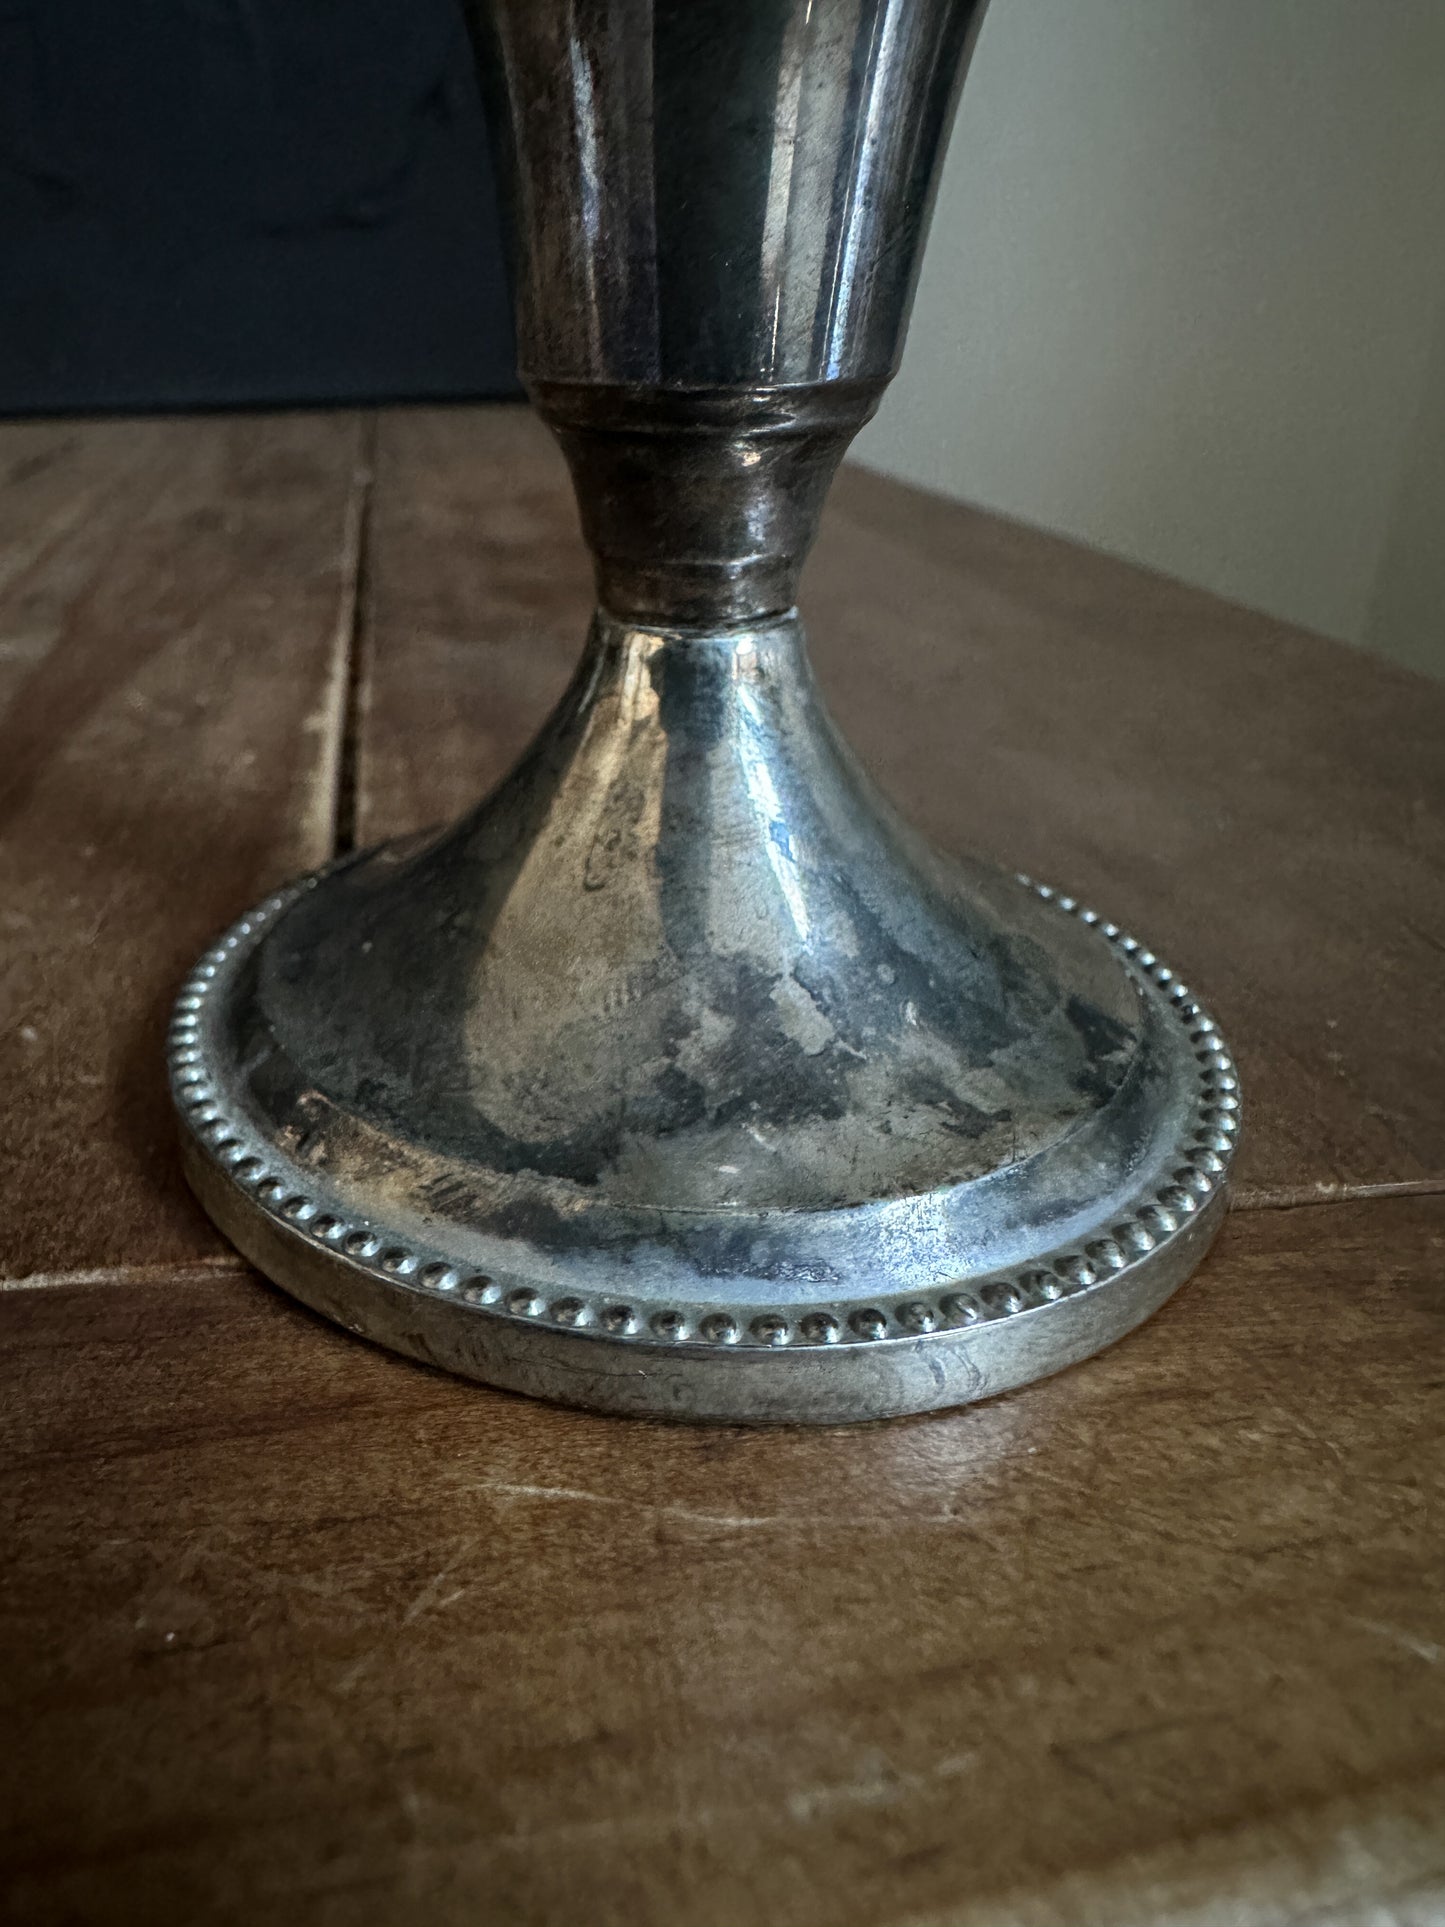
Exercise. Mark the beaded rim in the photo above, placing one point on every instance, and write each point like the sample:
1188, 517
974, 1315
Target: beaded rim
1160, 1215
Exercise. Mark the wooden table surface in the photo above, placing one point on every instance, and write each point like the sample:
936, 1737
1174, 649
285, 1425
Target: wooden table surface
296, 1631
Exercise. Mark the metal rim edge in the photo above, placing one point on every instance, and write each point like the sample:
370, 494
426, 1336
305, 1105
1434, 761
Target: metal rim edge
250, 1186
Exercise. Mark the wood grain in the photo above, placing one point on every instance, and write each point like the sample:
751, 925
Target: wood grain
301, 1631
1265, 807
174, 619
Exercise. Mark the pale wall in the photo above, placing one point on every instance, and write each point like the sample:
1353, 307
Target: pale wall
1185, 299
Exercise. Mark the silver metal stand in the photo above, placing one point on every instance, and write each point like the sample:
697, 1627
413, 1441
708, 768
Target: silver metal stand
681, 1077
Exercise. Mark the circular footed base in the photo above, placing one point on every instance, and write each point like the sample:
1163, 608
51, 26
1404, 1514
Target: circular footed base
974, 1288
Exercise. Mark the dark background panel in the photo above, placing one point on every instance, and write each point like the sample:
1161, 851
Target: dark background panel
244, 201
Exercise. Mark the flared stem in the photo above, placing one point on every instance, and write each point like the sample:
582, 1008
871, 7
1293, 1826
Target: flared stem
685, 957
700, 505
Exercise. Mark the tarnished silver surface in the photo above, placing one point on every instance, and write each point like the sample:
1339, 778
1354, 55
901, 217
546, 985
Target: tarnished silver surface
681, 1076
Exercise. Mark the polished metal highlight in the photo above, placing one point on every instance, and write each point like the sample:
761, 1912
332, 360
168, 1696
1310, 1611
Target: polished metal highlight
681, 1077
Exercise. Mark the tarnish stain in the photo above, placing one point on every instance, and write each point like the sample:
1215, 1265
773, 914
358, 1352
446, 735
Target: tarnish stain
580, 913
800, 1018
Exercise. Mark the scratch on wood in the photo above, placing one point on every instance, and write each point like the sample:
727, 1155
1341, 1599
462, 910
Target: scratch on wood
1329, 1191
1408, 1642
430, 1594
573, 1495
188, 1271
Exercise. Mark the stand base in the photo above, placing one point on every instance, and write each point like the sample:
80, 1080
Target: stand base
682, 1077
1010, 1277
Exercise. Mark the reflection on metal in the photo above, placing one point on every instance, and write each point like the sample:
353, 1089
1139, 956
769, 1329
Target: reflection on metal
681, 1076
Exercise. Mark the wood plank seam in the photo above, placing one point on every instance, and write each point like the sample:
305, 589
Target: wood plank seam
173, 675
356, 619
